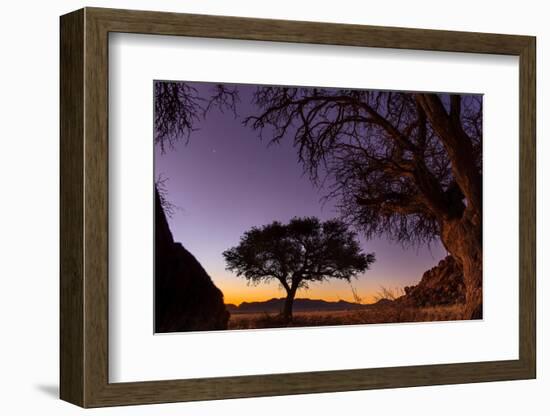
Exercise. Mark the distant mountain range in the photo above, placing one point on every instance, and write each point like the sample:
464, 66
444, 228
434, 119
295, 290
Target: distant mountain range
300, 305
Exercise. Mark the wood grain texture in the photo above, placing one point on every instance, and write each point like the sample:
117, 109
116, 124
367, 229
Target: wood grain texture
96, 217
162, 23
71, 208
84, 207
527, 207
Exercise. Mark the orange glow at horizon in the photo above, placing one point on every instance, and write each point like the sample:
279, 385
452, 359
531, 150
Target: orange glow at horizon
236, 291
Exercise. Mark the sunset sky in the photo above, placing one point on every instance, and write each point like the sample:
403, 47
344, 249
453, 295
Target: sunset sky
225, 180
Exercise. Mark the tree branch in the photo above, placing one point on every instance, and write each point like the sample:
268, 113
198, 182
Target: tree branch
458, 145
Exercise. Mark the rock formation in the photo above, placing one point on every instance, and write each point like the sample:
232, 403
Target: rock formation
186, 299
441, 285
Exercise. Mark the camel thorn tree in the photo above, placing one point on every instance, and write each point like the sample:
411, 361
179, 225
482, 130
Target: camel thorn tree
303, 251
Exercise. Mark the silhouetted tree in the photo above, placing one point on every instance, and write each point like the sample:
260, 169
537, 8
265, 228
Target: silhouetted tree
400, 164
303, 251
179, 106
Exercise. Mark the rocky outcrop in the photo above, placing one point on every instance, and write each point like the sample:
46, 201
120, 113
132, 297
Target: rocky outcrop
186, 299
441, 285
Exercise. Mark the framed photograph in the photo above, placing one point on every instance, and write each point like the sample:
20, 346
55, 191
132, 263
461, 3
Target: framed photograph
255, 207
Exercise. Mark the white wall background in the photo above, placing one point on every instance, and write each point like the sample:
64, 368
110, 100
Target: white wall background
29, 85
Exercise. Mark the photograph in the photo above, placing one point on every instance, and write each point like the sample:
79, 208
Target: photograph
279, 206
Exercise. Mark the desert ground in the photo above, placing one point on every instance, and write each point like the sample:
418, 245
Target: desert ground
371, 314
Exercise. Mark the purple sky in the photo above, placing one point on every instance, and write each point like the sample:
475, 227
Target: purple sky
225, 180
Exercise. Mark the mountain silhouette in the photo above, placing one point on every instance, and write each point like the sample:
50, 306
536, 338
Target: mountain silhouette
300, 305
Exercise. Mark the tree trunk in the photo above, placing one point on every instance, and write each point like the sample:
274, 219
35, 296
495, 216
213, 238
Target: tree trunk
461, 234
463, 239
289, 301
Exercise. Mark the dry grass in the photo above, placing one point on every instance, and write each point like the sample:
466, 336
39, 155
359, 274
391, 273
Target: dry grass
375, 314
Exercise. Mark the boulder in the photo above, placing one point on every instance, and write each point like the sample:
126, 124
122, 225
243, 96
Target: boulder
441, 285
186, 299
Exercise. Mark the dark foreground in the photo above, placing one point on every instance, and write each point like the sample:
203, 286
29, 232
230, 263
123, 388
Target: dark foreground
376, 314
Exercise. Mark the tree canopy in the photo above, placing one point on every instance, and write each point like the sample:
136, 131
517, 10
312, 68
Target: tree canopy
395, 162
303, 251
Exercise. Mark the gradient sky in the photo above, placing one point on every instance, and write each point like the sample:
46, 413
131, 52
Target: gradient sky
225, 180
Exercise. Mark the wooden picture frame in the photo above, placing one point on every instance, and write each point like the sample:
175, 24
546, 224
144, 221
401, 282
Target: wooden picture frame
84, 207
